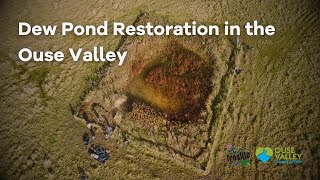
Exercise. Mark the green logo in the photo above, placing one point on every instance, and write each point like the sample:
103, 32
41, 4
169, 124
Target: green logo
264, 154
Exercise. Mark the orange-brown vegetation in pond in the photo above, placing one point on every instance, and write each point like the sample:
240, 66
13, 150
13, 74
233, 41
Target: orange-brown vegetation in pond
178, 84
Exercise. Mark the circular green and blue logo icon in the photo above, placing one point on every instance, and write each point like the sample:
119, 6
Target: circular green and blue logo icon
264, 154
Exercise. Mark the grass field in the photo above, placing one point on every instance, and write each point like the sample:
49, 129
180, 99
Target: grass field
274, 101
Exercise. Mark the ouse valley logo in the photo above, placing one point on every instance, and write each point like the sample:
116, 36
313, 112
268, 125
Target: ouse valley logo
237, 156
281, 155
287, 155
264, 154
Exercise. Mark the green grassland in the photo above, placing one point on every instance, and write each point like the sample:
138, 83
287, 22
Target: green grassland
274, 101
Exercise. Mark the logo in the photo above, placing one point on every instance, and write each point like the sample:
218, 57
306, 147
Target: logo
287, 155
238, 156
282, 155
264, 154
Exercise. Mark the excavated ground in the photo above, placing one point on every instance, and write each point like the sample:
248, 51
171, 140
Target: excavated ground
176, 84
